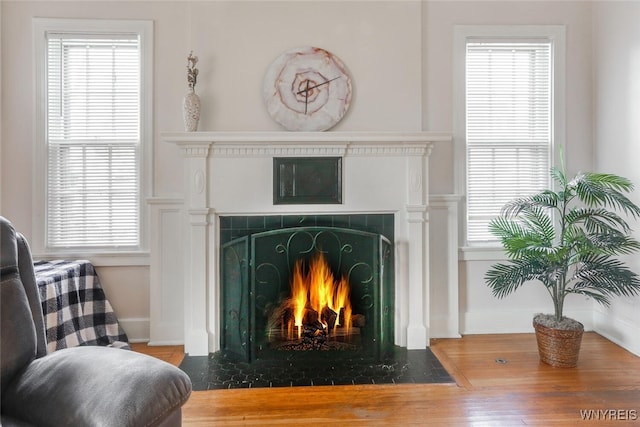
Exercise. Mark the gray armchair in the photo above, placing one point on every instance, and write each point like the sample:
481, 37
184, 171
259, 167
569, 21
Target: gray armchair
80, 386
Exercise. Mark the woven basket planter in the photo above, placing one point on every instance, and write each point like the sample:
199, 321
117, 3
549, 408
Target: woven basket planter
558, 347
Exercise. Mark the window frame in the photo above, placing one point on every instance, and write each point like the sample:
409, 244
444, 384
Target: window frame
102, 256
503, 33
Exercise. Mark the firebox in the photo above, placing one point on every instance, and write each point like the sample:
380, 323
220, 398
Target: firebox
308, 291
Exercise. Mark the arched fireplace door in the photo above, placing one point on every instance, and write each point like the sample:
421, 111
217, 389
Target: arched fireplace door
307, 292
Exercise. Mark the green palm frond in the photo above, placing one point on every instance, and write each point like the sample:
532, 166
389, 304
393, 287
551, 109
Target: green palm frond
613, 243
505, 278
539, 223
598, 189
597, 220
559, 177
544, 199
520, 237
595, 295
605, 276
609, 181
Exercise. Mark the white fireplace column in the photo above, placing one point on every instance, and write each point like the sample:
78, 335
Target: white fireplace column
383, 172
417, 219
196, 250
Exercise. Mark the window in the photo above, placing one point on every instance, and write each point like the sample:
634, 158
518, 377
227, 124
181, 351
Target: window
508, 122
92, 132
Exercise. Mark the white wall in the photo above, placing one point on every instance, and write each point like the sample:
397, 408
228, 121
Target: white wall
616, 47
400, 56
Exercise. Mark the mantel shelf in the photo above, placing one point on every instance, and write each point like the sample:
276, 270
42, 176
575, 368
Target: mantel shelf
275, 137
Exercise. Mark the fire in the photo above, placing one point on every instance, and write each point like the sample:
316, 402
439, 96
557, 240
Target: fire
315, 292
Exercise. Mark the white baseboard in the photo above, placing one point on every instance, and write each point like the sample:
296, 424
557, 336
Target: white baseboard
510, 321
137, 329
160, 343
619, 331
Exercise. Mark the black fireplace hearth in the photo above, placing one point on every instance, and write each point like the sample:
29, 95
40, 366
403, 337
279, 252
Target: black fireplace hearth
401, 366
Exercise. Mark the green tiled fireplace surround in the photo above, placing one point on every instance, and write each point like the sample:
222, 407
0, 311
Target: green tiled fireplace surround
257, 253
233, 227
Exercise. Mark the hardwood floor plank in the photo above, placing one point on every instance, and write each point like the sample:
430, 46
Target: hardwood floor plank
169, 353
604, 388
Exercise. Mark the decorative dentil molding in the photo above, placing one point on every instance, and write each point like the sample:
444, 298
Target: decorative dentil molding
248, 150
267, 144
190, 149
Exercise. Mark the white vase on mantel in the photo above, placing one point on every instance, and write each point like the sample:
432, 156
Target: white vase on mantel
191, 110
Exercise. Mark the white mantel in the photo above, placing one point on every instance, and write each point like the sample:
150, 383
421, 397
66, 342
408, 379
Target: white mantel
321, 138
230, 173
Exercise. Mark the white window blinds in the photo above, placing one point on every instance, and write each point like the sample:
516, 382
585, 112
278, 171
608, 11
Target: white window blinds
508, 127
93, 141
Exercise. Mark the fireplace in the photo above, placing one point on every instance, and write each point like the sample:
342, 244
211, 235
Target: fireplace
318, 286
228, 176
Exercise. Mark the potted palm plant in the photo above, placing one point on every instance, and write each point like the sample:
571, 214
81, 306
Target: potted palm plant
568, 239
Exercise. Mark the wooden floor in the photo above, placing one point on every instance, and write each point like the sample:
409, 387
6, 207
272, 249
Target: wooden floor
603, 390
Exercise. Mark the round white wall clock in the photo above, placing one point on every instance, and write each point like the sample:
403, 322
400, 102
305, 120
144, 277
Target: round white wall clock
307, 89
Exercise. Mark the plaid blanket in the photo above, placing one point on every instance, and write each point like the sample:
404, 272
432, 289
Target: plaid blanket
76, 311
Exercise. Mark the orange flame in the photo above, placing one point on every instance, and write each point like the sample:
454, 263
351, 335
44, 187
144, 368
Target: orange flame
318, 289
299, 292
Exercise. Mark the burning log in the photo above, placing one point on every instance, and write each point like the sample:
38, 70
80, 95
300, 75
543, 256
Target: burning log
329, 317
310, 316
280, 317
358, 320
314, 335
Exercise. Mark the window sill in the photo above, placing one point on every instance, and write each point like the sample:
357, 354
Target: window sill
481, 253
116, 259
